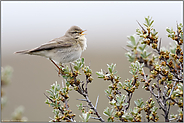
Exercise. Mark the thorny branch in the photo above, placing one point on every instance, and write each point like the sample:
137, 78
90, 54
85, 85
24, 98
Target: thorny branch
163, 92
68, 118
81, 91
84, 93
151, 91
162, 100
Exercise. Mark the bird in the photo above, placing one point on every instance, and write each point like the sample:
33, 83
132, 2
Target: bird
65, 49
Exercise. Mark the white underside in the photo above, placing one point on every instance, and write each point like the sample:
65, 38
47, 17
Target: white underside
61, 55
64, 55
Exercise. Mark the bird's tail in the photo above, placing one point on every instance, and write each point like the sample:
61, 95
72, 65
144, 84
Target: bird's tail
23, 52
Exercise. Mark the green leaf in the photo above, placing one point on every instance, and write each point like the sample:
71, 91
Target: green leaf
168, 30
76, 68
107, 112
124, 104
148, 54
132, 40
120, 84
47, 102
141, 48
113, 66
130, 45
52, 87
139, 103
81, 118
118, 99
147, 22
82, 60
115, 72
85, 117
88, 117
130, 57
50, 92
100, 74
107, 92
151, 22
110, 70
130, 118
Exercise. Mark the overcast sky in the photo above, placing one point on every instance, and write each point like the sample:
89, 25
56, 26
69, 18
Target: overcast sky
26, 24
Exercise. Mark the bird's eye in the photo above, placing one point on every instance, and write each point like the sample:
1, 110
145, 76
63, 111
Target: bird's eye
74, 32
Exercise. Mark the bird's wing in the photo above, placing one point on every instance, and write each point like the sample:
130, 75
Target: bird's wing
61, 42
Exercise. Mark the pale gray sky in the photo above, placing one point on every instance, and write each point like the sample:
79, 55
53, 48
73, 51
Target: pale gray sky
27, 24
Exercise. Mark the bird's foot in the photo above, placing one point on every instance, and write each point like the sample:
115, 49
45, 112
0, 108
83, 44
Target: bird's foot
60, 64
60, 69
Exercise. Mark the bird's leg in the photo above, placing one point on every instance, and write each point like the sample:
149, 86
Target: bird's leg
56, 66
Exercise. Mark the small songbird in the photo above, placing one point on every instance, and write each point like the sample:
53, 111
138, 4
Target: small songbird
65, 49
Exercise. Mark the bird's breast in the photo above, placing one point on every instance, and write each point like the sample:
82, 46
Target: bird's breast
83, 43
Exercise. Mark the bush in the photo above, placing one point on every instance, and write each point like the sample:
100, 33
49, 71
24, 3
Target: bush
164, 81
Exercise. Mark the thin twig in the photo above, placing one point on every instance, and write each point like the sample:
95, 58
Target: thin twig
178, 34
142, 27
83, 93
125, 49
86, 89
82, 99
168, 108
82, 86
51, 118
53, 101
96, 102
96, 118
62, 84
171, 91
159, 46
75, 80
156, 96
48, 97
175, 75
93, 108
129, 96
66, 101
177, 80
172, 119
165, 91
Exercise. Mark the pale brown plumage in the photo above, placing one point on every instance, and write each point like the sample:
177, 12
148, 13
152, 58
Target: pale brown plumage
63, 49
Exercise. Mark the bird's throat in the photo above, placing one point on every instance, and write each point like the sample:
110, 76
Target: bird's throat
83, 43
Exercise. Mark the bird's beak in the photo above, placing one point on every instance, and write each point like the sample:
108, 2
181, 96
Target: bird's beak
82, 32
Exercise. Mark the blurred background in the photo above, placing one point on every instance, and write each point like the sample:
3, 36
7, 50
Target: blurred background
26, 25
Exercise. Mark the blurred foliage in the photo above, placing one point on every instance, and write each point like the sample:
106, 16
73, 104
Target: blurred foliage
17, 115
6, 74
